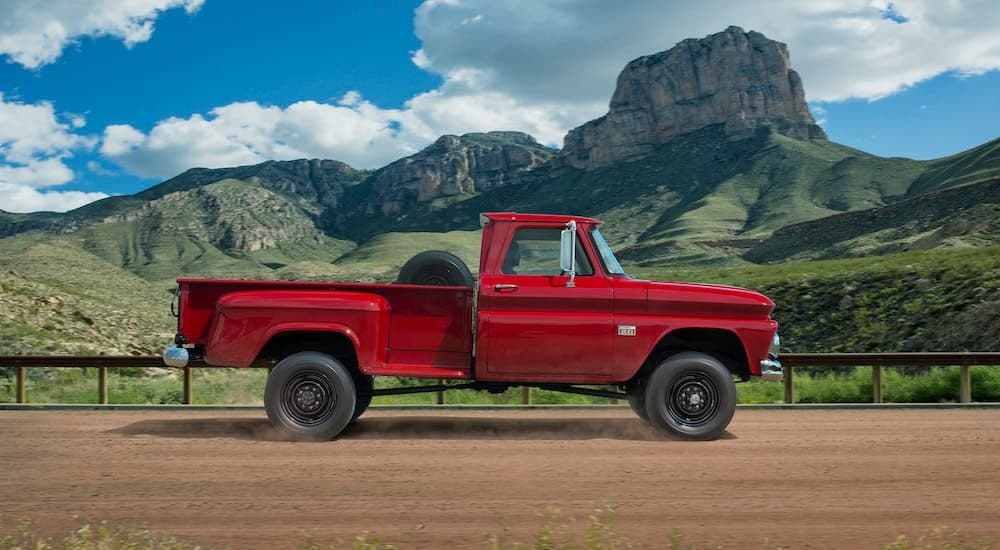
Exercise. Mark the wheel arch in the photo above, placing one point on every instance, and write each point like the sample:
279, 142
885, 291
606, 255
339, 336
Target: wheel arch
342, 345
725, 345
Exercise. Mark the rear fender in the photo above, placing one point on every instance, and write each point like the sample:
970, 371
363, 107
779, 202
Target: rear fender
245, 321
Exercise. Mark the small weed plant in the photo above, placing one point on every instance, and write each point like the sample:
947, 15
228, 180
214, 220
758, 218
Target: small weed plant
558, 532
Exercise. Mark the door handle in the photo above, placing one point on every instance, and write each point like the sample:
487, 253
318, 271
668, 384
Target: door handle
504, 286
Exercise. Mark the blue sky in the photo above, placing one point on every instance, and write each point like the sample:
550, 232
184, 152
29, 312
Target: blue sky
100, 98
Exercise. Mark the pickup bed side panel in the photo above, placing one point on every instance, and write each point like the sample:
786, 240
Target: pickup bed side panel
245, 321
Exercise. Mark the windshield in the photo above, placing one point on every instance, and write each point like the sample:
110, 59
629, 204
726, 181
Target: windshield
607, 256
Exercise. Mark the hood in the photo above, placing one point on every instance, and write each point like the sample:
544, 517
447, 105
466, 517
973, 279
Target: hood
703, 300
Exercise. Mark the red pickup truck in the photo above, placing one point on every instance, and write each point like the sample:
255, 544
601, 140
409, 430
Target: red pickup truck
552, 309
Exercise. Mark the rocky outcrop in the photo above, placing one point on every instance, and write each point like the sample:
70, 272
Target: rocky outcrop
457, 165
739, 79
232, 215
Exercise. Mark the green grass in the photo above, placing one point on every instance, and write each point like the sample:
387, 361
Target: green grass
139, 386
936, 385
558, 532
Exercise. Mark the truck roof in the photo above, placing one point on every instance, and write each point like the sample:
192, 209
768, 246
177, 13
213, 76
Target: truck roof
515, 216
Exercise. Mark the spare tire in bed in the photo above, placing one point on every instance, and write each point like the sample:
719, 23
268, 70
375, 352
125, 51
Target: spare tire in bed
436, 268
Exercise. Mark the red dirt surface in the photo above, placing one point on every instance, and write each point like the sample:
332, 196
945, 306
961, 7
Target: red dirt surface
428, 479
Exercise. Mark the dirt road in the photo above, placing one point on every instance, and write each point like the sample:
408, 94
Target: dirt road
822, 479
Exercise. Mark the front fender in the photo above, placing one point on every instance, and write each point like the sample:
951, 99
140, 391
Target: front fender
244, 322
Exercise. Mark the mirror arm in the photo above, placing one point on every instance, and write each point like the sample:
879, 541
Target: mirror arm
572, 255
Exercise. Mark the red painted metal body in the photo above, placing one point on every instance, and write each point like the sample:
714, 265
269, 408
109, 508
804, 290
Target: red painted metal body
528, 328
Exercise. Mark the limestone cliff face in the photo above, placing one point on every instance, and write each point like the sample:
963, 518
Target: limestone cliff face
455, 165
739, 79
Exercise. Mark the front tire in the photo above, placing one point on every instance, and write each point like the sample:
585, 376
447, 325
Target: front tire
310, 395
691, 395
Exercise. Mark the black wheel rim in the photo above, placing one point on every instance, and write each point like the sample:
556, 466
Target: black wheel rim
309, 398
436, 278
693, 400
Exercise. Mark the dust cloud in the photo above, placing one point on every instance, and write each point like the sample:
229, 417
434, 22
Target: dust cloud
411, 427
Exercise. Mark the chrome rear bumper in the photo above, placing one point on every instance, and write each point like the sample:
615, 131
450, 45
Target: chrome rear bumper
176, 356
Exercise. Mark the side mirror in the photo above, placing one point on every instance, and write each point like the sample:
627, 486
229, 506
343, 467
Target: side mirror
567, 252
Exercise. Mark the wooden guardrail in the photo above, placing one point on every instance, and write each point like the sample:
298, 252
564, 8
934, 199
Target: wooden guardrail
791, 363
876, 361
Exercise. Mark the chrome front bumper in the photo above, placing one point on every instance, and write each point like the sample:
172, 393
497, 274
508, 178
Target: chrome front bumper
770, 368
176, 356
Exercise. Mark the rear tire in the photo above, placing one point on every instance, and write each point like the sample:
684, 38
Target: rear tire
691, 395
436, 268
311, 396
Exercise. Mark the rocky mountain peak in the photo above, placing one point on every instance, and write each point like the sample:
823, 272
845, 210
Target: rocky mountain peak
739, 79
456, 165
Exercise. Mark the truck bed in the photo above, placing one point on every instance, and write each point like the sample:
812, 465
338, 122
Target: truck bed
429, 325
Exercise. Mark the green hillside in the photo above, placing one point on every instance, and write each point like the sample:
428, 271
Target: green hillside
380, 258
933, 300
976, 164
698, 199
57, 298
958, 217
229, 228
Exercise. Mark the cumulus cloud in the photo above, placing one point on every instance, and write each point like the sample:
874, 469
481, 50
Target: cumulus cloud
34, 145
553, 49
352, 130
24, 198
35, 32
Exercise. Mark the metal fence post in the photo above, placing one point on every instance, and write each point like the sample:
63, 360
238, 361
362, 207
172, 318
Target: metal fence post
440, 394
102, 385
789, 389
21, 393
525, 395
876, 384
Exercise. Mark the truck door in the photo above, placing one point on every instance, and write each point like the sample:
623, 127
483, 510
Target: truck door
534, 327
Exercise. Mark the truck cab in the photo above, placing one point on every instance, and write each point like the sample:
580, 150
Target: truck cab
551, 308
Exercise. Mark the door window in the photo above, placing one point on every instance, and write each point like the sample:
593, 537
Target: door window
535, 251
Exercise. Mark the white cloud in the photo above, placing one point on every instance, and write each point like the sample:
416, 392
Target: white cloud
95, 167
35, 32
23, 198
34, 145
572, 51
351, 130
